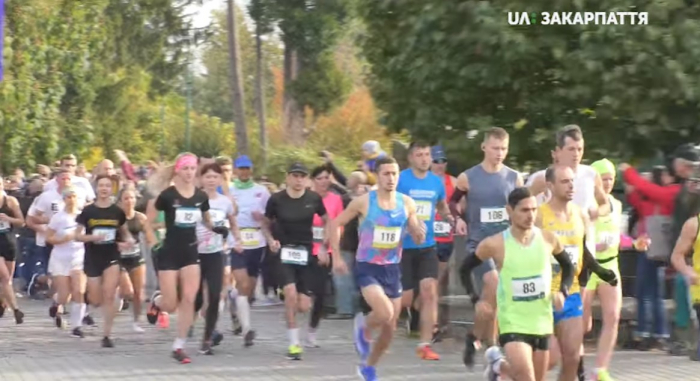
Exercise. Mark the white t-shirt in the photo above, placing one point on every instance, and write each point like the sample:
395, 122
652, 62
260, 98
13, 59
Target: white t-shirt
584, 187
48, 204
63, 223
219, 209
250, 200
78, 182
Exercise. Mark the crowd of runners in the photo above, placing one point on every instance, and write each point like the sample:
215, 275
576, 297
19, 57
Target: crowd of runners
538, 252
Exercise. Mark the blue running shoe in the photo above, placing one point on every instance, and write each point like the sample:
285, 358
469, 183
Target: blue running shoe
367, 373
362, 346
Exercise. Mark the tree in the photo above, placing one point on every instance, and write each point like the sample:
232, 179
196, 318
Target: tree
259, 12
236, 79
442, 69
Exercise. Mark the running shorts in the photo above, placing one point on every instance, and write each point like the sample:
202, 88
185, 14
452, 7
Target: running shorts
537, 342
573, 308
387, 277
594, 280
444, 251
63, 265
95, 265
416, 265
176, 258
250, 260
131, 263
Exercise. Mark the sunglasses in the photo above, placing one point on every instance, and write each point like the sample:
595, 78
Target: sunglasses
440, 161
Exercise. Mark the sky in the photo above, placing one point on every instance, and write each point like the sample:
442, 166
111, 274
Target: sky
202, 14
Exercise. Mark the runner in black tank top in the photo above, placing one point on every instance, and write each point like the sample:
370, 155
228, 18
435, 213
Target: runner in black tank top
133, 278
10, 215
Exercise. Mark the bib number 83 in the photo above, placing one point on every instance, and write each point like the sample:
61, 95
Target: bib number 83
529, 288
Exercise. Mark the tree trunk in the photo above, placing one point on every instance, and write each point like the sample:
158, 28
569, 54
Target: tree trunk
260, 94
236, 82
293, 111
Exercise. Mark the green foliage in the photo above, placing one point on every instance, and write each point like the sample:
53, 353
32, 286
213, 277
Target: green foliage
281, 157
459, 64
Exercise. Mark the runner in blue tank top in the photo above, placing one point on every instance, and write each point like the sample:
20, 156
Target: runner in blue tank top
386, 216
420, 264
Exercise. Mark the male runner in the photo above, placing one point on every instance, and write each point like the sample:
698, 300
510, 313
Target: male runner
486, 187
385, 215
419, 264
69, 164
523, 256
562, 217
443, 230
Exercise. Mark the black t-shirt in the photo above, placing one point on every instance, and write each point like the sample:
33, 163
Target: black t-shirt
294, 217
181, 215
350, 239
105, 221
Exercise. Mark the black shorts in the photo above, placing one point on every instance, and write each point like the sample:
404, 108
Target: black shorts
131, 263
95, 265
173, 258
444, 251
309, 279
416, 265
249, 260
537, 342
8, 251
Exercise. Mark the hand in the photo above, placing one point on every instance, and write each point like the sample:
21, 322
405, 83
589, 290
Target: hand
558, 301
340, 267
221, 230
323, 258
99, 237
327, 156
120, 155
609, 277
275, 246
238, 248
460, 227
642, 243
601, 246
623, 167
4, 217
692, 278
257, 216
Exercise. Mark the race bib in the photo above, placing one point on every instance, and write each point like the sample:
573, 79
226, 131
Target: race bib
573, 252
134, 252
386, 237
108, 234
528, 289
218, 217
493, 215
609, 239
424, 210
318, 234
187, 217
251, 238
442, 228
294, 256
4, 226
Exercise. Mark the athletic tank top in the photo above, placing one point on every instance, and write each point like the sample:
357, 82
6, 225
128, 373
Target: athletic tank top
7, 236
381, 232
135, 227
570, 234
443, 230
584, 184
524, 298
486, 202
607, 231
695, 259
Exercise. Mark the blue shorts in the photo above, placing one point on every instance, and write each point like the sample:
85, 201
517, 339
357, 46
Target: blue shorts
573, 308
249, 260
444, 251
386, 276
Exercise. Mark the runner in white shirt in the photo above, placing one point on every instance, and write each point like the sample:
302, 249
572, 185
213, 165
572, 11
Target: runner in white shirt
66, 263
251, 199
69, 163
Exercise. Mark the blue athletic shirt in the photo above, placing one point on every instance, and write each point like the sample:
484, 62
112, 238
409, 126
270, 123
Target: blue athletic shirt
426, 192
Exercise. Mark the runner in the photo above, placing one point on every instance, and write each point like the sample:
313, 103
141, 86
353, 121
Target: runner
607, 230
486, 187
562, 217
178, 260
443, 231
385, 215
251, 199
66, 261
10, 217
292, 210
133, 263
211, 253
523, 256
69, 164
334, 206
419, 263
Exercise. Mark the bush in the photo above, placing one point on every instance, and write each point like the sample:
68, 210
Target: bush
280, 157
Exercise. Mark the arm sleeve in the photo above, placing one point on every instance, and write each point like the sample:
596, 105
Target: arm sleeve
567, 272
465, 272
454, 201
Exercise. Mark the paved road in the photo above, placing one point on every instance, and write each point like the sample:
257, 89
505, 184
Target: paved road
38, 351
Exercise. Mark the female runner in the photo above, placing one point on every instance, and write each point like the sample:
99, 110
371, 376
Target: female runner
10, 216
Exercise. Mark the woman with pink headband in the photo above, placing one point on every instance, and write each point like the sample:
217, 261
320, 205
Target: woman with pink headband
178, 260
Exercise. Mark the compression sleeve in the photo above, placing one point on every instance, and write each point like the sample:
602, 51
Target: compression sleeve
454, 201
465, 272
591, 263
567, 272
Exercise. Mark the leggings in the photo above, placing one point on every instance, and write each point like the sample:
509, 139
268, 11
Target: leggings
212, 269
321, 275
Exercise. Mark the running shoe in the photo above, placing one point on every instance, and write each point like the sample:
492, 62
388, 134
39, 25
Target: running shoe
137, 328
248, 339
77, 333
310, 340
216, 338
53, 310
19, 316
294, 352
2, 310
59, 321
601, 375
205, 349
31, 287
367, 373
426, 352
493, 358
153, 311
89, 321
470, 349
362, 345
107, 342
237, 328
180, 356
163, 320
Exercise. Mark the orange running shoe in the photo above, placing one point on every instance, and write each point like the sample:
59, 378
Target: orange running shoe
164, 320
425, 352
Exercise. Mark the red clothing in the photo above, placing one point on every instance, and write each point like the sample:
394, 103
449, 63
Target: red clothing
334, 206
649, 198
449, 189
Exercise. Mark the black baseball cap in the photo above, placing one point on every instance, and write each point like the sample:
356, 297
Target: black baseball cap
298, 168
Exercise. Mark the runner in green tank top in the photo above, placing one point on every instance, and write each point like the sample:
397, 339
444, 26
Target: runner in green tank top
522, 255
607, 247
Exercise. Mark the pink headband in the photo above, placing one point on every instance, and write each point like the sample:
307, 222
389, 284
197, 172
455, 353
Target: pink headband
184, 161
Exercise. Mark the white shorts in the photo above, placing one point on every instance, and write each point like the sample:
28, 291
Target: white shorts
60, 265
